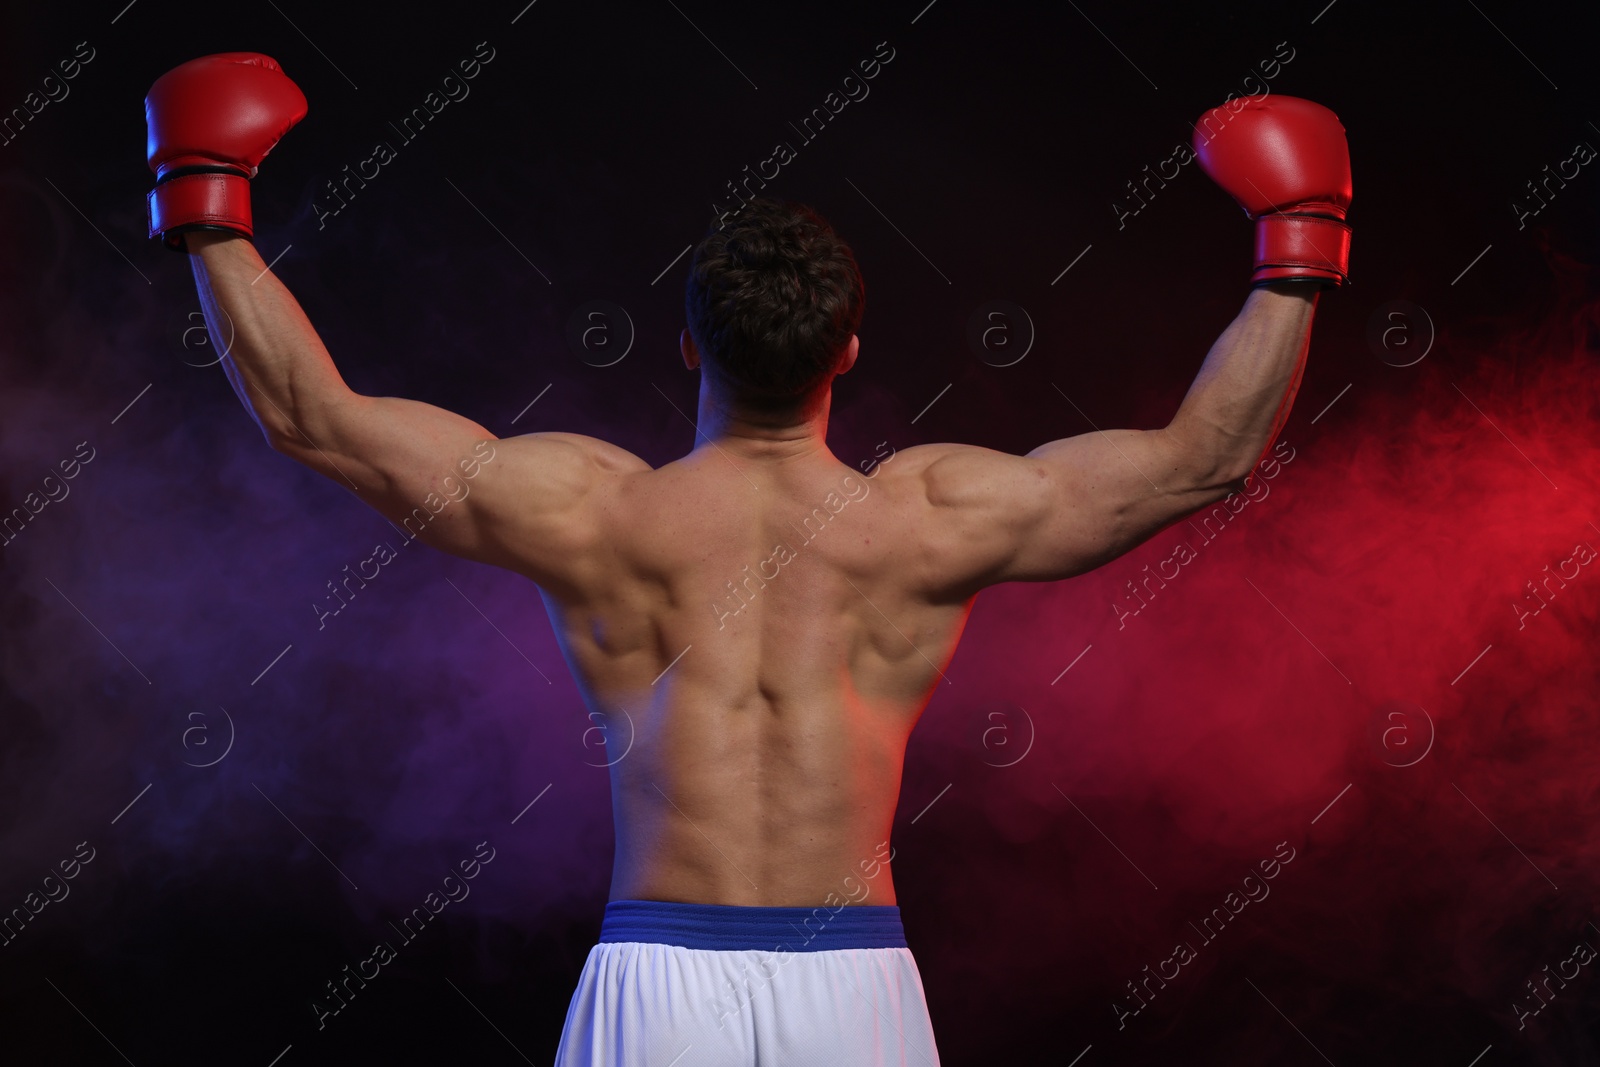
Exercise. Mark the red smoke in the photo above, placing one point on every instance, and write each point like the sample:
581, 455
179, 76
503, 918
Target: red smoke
1365, 620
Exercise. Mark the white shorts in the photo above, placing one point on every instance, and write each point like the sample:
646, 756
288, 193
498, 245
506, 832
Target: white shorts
715, 985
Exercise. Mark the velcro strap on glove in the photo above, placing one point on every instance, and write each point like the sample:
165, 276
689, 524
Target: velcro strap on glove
1310, 247
209, 200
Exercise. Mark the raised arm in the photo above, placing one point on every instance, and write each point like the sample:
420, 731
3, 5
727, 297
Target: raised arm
1074, 504
531, 503
1071, 505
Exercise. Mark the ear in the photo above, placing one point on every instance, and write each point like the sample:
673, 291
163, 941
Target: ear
848, 360
691, 355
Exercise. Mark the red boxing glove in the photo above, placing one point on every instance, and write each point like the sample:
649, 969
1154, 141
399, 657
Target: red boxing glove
1286, 162
210, 122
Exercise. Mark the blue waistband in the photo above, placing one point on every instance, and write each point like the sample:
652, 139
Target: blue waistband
735, 928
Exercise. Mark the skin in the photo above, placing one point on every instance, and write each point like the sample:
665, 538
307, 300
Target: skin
768, 744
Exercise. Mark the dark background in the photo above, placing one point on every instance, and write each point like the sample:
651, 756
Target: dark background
1275, 695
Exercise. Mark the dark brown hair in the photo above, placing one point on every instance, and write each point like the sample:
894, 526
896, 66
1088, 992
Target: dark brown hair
772, 299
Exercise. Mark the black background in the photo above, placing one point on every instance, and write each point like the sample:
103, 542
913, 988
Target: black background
593, 145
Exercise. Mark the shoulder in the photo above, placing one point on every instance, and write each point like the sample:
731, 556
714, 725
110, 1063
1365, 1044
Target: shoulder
550, 505
553, 485
558, 471
967, 508
961, 477
572, 449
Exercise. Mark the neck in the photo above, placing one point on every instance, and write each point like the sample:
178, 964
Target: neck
757, 434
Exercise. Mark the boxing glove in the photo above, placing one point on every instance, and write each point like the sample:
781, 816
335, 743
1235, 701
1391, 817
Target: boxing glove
210, 122
1286, 162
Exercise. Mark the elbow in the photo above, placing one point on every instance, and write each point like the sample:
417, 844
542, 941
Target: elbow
1229, 479
1216, 476
1215, 463
286, 433
290, 443
1246, 478
1207, 482
278, 441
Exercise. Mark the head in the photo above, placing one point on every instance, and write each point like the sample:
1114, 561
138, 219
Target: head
773, 301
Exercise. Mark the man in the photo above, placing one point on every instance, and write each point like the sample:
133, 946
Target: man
771, 620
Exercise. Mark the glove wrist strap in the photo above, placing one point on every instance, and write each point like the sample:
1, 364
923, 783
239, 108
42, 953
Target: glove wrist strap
1310, 247
211, 200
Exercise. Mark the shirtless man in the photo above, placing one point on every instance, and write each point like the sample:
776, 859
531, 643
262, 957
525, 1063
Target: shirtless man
771, 619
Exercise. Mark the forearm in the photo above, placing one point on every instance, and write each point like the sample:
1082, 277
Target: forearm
1241, 398
273, 357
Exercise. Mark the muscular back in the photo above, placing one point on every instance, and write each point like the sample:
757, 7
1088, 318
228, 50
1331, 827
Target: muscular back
761, 634
767, 740
759, 624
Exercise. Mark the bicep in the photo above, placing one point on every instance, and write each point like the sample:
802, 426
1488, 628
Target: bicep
1064, 508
